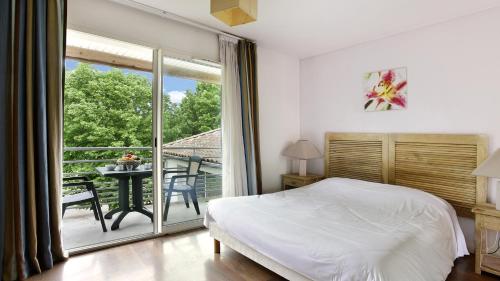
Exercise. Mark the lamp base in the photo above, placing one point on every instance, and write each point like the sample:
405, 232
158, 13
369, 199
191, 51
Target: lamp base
303, 168
498, 195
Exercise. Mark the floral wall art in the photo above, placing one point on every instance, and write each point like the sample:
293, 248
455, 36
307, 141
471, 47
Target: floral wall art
386, 90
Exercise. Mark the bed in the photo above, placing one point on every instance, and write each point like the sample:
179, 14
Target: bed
362, 223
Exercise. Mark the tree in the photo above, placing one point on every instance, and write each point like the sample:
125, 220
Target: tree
198, 112
169, 110
114, 109
105, 109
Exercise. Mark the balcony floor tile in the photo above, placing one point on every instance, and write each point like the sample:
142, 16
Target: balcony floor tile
81, 229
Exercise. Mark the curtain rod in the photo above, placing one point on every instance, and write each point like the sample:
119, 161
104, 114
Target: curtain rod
174, 17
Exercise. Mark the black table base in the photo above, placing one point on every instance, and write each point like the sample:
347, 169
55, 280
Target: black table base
123, 200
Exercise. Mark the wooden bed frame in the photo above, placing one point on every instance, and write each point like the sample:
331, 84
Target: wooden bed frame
440, 164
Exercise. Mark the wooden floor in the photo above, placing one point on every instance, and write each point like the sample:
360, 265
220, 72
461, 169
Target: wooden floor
187, 256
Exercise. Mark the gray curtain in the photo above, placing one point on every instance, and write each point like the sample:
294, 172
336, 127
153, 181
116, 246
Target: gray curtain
32, 56
247, 62
4, 88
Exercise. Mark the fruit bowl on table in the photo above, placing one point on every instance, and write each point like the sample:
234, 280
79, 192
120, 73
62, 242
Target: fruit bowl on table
125, 163
129, 160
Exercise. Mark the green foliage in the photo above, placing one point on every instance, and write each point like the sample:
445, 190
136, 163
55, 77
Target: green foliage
106, 108
114, 109
197, 113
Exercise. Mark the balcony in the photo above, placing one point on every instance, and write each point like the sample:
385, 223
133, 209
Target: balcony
79, 225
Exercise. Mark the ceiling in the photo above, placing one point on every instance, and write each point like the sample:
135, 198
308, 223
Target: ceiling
307, 28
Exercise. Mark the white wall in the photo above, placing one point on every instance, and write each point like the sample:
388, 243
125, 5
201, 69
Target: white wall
453, 84
278, 86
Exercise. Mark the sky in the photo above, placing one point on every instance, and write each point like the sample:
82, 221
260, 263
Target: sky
173, 86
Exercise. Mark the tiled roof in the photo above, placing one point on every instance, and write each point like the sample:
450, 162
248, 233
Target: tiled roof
206, 145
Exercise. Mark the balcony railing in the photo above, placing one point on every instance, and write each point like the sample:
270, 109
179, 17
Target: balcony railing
84, 161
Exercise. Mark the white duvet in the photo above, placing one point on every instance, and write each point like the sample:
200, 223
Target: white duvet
343, 229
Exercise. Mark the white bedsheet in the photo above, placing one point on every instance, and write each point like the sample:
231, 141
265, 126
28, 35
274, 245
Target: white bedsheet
343, 229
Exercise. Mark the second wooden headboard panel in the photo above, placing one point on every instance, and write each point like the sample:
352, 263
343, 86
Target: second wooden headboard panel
440, 164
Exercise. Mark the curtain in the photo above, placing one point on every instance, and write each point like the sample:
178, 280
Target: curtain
250, 114
33, 43
241, 172
234, 176
4, 88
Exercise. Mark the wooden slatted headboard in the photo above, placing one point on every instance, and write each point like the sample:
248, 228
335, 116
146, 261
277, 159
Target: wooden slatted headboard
357, 156
440, 164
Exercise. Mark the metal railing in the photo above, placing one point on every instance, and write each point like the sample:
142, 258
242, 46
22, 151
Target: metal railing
77, 163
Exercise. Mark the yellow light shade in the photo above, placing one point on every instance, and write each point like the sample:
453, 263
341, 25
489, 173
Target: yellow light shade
234, 12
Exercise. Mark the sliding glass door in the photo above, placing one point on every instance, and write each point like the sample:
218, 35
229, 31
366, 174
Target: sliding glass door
191, 150
108, 141
142, 142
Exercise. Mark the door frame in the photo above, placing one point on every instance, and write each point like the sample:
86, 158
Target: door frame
157, 140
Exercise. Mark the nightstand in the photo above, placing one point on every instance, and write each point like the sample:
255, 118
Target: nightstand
487, 220
289, 181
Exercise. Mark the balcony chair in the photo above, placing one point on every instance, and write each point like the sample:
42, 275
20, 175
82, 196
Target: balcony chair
186, 187
89, 195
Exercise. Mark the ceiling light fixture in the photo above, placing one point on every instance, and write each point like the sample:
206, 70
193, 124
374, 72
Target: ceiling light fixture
234, 12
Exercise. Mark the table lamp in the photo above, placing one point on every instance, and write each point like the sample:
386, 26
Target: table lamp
491, 168
302, 150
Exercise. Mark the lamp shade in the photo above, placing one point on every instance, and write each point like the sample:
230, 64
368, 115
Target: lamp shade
302, 149
490, 167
